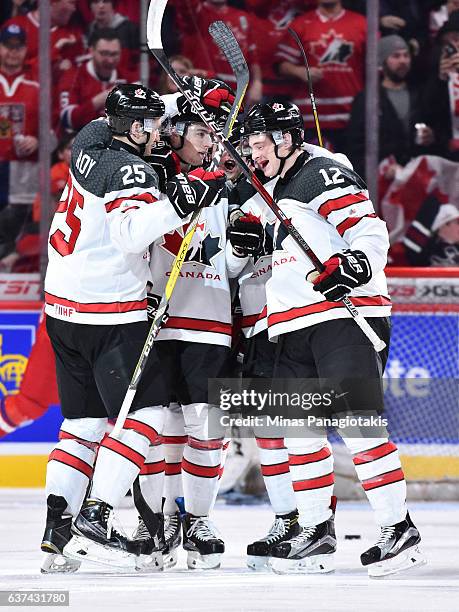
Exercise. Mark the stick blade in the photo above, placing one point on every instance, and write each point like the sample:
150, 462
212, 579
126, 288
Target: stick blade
226, 41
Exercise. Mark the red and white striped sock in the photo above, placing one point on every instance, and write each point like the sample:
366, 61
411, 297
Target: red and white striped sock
276, 474
311, 467
201, 474
119, 461
378, 467
174, 440
151, 477
71, 462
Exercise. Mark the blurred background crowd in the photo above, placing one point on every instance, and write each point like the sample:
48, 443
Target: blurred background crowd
95, 44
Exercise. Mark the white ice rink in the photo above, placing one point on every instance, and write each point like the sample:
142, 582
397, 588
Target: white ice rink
233, 587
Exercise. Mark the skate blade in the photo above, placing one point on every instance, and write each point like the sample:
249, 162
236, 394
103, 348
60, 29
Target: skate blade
150, 563
411, 557
258, 563
197, 561
170, 559
80, 548
58, 564
317, 564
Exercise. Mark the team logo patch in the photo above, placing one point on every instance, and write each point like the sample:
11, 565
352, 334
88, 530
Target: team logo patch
140, 93
203, 249
332, 48
278, 107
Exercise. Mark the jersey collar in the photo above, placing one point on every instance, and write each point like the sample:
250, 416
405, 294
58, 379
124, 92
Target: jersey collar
299, 163
118, 145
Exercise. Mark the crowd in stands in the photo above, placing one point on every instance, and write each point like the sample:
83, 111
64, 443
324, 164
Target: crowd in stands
96, 44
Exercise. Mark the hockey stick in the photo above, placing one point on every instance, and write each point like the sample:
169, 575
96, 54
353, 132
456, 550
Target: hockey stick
311, 90
224, 38
155, 13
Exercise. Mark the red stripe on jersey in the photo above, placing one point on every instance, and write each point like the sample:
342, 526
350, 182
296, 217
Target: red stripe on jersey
96, 307
339, 203
65, 435
200, 470
296, 313
324, 453
250, 320
145, 430
173, 469
351, 222
205, 444
153, 468
148, 198
270, 443
372, 454
215, 327
314, 483
124, 450
72, 461
276, 469
383, 479
174, 439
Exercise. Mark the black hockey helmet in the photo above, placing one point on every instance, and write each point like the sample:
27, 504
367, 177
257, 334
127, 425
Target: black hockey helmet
275, 118
131, 102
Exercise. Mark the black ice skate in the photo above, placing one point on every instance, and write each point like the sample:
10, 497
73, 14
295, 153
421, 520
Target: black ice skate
310, 552
396, 550
173, 538
201, 540
95, 539
56, 536
284, 528
151, 542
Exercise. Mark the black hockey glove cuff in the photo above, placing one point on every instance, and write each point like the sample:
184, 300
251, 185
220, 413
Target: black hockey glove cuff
343, 272
246, 234
197, 190
165, 163
153, 302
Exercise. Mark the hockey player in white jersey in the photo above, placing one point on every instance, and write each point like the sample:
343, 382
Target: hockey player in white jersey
95, 294
194, 344
329, 205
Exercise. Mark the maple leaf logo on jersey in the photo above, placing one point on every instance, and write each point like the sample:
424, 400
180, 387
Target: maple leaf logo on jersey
140, 93
331, 48
278, 107
204, 247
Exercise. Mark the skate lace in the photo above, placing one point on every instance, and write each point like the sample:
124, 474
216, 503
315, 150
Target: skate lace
278, 530
305, 534
386, 534
110, 521
203, 529
171, 522
141, 532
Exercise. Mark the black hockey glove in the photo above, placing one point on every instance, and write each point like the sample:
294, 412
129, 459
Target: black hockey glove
343, 272
198, 189
245, 232
153, 301
215, 95
165, 163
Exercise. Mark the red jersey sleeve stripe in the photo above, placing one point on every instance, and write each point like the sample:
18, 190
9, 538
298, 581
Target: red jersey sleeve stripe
351, 222
324, 453
383, 479
374, 453
339, 203
148, 198
276, 469
72, 461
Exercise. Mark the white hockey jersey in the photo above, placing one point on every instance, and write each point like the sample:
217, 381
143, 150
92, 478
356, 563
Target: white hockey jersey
330, 207
109, 213
200, 306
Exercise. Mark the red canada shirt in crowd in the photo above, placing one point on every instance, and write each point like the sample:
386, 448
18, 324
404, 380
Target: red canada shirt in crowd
337, 46
66, 41
193, 20
76, 92
18, 114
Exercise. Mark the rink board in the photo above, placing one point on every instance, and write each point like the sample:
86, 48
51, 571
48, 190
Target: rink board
424, 345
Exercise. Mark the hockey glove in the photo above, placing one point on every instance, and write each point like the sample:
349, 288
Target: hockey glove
165, 163
245, 232
197, 190
343, 272
215, 95
153, 302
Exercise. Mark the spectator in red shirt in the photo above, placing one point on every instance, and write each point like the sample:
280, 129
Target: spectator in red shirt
194, 18
105, 17
83, 91
334, 39
18, 137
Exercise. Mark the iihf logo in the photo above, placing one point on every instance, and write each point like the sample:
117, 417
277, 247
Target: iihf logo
140, 93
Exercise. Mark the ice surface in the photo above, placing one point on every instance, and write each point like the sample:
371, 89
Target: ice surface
234, 587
